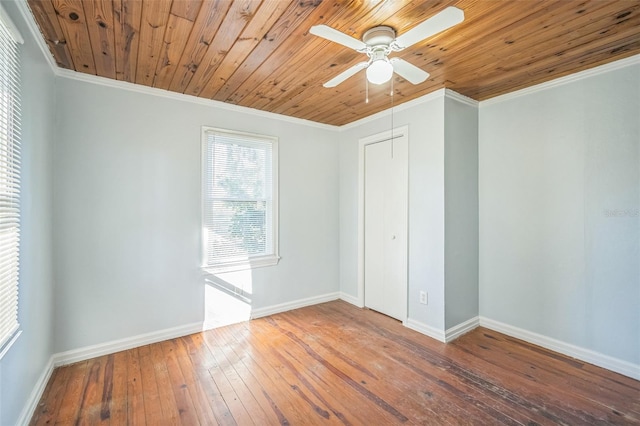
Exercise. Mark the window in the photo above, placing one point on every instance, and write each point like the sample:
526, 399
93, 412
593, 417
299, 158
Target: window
9, 180
240, 200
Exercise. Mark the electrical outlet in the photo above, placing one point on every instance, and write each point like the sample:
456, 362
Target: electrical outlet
423, 297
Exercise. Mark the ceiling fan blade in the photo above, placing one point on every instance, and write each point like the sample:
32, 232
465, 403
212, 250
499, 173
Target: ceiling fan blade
336, 36
346, 74
409, 71
437, 23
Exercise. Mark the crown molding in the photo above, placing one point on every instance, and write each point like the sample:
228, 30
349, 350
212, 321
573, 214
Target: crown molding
27, 16
153, 91
440, 93
461, 98
571, 78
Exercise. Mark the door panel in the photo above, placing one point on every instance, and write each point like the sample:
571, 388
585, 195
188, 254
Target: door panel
374, 225
385, 227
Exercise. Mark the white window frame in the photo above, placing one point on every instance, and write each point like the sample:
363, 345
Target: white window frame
251, 262
10, 174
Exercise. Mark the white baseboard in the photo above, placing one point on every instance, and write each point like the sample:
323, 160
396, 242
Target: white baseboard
425, 329
456, 331
448, 335
32, 403
288, 306
351, 299
605, 361
114, 346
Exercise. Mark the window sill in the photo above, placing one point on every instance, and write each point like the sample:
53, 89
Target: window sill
242, 265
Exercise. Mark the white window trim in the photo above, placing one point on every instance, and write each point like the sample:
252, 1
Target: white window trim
13, 30
12, 336
255, 261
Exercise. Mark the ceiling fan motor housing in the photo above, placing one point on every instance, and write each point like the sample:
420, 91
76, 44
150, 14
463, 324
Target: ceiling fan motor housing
379, 36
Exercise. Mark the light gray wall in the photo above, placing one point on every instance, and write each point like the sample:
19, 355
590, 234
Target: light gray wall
28, 357
127, 212
426, 205
461, 212
554, 259
443, 207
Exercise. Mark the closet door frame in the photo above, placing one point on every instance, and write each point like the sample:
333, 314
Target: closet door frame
397, 132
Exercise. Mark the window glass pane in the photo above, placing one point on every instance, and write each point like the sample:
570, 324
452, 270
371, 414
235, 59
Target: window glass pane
238, 229
238, 190
240, 172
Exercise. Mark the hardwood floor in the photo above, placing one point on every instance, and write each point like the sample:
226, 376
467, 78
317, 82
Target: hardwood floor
336, 364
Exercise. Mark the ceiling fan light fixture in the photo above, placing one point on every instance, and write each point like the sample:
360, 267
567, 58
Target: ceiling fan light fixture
380, 71
378, 42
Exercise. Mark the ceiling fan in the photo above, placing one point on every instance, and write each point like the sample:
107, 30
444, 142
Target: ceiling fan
378, 42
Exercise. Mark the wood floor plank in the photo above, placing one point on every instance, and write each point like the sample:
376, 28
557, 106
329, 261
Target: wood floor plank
549, 372
181, 392
198, 394
117, 408
266, 414
281, 390
135, 390
353, 392
170, 409
70, 406
49, 406
545, 366
231, 386
336, 364
423, 400
385, 351
151, 397
202, 360
545, 401
97, 392
269, 382
408, 378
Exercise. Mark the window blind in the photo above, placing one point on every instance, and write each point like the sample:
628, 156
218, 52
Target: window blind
9, 178
239, 198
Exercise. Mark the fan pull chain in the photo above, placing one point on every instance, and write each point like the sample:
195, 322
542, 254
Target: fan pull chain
366, 89
393, 139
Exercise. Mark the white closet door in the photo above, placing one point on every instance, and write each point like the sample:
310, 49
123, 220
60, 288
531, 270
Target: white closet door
385, 227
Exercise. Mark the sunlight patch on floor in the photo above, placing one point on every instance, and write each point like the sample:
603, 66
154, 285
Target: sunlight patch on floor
221, 308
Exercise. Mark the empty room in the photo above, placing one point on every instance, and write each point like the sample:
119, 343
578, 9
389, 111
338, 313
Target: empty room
304, 212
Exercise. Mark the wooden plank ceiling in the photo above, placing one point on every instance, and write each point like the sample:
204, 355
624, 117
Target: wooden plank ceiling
260, 54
